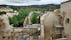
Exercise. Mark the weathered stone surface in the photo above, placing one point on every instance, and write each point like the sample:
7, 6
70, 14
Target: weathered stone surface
28, 18
66, 13
5, 28
49, 21
62, 39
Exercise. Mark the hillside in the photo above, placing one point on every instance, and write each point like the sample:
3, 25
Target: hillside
24, 11
36, 6
33, 6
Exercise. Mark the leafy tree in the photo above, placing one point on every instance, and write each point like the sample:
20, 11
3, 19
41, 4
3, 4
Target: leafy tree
34, 18
22, 14
51, 8
18, 20
14, 21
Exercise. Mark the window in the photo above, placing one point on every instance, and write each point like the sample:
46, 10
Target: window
3, 37
3, 12
56, 36
67, 20
8, 37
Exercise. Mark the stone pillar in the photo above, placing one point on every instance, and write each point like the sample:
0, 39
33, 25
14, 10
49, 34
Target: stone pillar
29, 17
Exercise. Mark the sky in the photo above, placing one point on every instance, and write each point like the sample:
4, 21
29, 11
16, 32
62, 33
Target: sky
30, 2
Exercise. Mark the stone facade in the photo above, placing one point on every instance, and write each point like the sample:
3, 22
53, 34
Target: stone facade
49, 20
32, 32
18, 33
5, 28
28, 18
66, 13
10, 12
6, 9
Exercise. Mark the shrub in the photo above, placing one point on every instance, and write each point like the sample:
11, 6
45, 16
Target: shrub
34, 18
17, 20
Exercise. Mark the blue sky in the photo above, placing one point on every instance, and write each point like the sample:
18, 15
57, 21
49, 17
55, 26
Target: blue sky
30, 2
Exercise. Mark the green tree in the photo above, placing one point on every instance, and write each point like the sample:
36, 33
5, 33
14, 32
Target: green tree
18, 20
22, 15
13, 20
34, 18
51, 8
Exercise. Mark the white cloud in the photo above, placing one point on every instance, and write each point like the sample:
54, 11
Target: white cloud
1, 0
30, 2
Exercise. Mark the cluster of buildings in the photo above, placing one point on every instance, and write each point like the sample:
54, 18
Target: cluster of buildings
66, 13
57, 24
7, 32
53, 25
9, 12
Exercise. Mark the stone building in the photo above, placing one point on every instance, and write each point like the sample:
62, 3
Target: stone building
18, 33
32, 32
28, 18
5, 28
10, 12
66, 13
51, 24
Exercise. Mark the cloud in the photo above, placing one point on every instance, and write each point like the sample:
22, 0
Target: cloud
2, 0
30, 2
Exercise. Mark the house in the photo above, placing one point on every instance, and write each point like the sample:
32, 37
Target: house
5, 29
51, 25
10, 12
66, 13
32, 32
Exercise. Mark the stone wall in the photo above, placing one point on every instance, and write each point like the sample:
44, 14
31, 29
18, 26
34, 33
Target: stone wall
49, 20
66, 13
5, 28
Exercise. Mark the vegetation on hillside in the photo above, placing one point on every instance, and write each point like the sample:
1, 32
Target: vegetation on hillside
17, 20
47, 7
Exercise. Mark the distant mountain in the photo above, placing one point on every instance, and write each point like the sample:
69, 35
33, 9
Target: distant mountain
32, 6
47, 5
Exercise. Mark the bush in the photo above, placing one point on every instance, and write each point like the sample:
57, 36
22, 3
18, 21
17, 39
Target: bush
18, 20
34, 18
13, 20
